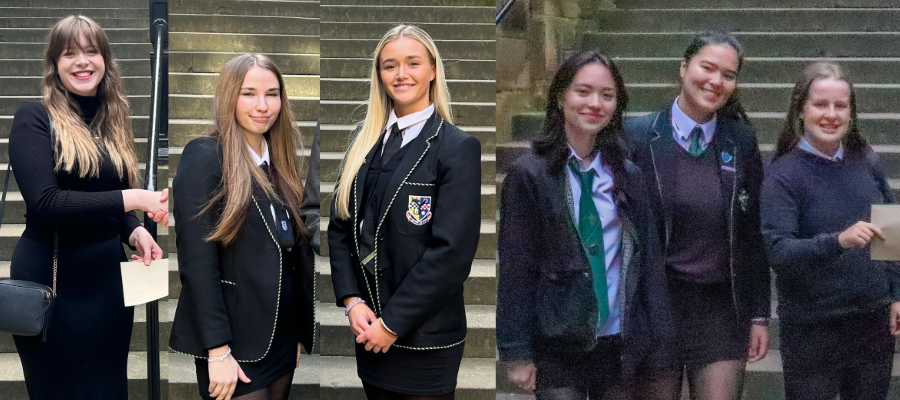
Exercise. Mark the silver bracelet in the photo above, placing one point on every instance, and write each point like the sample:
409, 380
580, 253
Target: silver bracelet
760, 321
389, 331
221, 357
353, 303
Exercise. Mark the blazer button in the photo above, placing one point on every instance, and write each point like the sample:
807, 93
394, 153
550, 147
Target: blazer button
380, 272
380, 235
594, 249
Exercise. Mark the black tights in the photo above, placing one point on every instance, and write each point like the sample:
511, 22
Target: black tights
278, 390
376, 393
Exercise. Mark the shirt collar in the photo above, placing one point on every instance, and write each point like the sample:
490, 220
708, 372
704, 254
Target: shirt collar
682, 124
807, 146
256, 158
407, 120
591, 163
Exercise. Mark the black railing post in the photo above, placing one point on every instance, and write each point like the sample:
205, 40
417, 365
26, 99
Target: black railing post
157, 152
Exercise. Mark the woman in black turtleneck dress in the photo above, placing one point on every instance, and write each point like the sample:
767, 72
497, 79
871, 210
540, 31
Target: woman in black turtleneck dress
78, 180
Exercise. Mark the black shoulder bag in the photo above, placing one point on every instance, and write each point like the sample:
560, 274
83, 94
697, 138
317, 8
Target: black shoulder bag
27, 307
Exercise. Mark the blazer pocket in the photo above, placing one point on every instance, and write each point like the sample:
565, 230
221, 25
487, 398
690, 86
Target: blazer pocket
565, 306
416, 201
230, 292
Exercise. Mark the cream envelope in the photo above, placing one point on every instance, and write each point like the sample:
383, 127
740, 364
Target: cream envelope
142, 284
887, 217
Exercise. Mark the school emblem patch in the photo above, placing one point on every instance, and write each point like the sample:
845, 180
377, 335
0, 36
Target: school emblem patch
419, 210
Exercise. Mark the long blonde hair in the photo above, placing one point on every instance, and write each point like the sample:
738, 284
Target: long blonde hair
238, 168
74, 139
380, 105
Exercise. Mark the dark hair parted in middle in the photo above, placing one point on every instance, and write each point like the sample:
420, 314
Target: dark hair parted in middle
853, 141
732, 107
609, 142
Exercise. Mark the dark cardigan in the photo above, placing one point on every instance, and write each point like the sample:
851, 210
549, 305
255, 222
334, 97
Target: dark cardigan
807, 201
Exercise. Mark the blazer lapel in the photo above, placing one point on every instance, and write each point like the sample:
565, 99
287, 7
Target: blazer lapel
663, 164
726, 158
561, 185
417, 149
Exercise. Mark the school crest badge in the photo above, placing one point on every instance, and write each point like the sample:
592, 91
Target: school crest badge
419, 210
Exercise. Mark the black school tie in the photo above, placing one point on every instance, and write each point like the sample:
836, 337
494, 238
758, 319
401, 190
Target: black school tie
392, 145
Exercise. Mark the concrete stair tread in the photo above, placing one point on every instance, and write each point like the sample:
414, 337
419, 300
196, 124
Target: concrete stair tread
474, 373
183, 371
11, 366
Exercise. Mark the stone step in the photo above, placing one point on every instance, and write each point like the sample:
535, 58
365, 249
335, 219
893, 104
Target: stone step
877, 128
480, 288
162, 178
36, 50
449, 49
205, 61
765, 97
755, 20
626, 4
404, 13
437, 31
351, 112
336, 138
476, 379
251, 24
182, 376
488, 199
10, 233
330, 162
140, 103
39, 35
182, 131
47, 22
241, 42
55, 3
138, 330
205, 84
54, 11
140, 125
12, 379
470, 3
338, 340
305, 9
453, 69
756, 44
763, 70
35, 66
31, 85
358, 89
487, 240
185, 106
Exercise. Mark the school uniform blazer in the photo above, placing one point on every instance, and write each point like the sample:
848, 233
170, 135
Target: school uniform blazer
545, 297
230, 294
740, 174
420, 267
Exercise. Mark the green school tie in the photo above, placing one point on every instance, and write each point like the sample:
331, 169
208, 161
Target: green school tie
696, 150
591, 230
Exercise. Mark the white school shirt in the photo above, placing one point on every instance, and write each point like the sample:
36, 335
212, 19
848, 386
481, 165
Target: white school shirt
682, 125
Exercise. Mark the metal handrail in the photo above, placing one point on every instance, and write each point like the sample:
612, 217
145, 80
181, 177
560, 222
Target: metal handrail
503, 11
150, 178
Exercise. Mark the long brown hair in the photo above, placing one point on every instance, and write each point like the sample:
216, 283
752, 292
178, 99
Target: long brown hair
853, 141
74, 144
238, 169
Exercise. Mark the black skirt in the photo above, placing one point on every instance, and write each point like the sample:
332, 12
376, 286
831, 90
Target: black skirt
86, 353
707, 329
412, 372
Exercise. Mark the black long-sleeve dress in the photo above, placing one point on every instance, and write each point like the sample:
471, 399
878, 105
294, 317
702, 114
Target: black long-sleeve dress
86, 353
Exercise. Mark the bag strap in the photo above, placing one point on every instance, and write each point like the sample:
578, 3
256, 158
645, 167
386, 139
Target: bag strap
55, 227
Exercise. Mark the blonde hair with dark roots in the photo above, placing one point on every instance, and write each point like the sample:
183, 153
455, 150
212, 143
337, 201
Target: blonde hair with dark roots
75, 144
238, 168
379, 108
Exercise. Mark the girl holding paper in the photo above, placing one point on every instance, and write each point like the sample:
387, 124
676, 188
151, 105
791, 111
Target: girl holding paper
244, 255
74, 162
838, 308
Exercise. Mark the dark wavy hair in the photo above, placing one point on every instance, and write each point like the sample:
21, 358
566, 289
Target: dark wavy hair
732, 107
853, 141
609, 142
